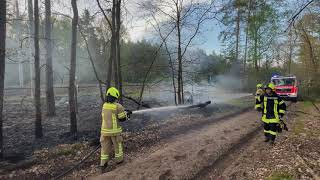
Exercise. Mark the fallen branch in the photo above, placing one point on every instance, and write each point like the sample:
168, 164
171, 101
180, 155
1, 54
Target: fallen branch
137, 102
200, 105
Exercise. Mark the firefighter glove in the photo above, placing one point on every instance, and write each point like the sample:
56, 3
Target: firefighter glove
259, 109
128, 112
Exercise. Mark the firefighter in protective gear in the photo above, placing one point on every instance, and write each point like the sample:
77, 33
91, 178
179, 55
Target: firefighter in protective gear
273, 108
259, 92
112, 113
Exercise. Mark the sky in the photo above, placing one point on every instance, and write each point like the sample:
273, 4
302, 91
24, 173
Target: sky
138, 28
136, 25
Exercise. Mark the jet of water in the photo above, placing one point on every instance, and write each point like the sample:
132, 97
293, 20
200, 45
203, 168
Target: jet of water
159, 109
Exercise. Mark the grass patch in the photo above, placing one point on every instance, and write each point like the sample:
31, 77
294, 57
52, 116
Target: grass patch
65, 150
242, 102
307, 104
280, 176
298, 127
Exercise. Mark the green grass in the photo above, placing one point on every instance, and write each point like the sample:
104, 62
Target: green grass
280, 176
298, 127
307, 104
242, 102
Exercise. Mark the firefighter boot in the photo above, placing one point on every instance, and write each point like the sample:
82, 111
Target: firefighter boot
102, 169
267, 138
272, 142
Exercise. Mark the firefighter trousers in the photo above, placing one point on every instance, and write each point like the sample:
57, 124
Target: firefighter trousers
270, 130
107, 142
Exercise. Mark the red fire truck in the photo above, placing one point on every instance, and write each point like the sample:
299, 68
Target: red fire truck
286, 86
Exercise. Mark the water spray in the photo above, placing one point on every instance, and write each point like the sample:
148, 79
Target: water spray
166, 108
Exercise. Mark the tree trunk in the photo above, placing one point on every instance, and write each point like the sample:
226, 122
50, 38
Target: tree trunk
290, 52
255, 54
31, 34
113, 44
245, 53
172, 74
18, 27
37, 90
180, 98
246, 43
3, 9
237, 36
118, 26
49, 73
311, 53
72, 103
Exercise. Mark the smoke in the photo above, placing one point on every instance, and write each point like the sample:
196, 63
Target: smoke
229, 82
232, 80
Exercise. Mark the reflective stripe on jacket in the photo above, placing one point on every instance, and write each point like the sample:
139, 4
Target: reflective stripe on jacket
258, 94
111, 113
272, 106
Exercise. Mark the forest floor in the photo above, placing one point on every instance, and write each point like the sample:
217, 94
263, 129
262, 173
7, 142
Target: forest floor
221, 141
234, 149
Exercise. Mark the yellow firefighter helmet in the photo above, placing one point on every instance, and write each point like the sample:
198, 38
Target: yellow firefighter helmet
271, 86
112, 91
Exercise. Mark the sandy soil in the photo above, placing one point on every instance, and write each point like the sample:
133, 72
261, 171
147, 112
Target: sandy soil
296, 154
185, 155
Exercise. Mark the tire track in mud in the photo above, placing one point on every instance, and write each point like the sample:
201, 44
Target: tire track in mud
225, 160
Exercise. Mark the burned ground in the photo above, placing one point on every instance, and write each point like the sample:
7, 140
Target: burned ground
141, 131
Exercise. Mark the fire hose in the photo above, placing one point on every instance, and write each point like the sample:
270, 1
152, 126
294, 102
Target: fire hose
82, 161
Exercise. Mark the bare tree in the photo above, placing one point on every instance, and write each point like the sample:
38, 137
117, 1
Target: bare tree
247, 34
31, 33
37, 91
3, 10
187, 17
114, 60
117, 41
49, 73
18, 29
157, 27
72, 73
113, 43
238, 19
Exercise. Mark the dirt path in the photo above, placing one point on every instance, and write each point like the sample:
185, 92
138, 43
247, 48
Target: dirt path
296, 154
185, 155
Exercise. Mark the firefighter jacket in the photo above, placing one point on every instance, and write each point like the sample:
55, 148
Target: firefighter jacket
259, 92
112, 113
273, 107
